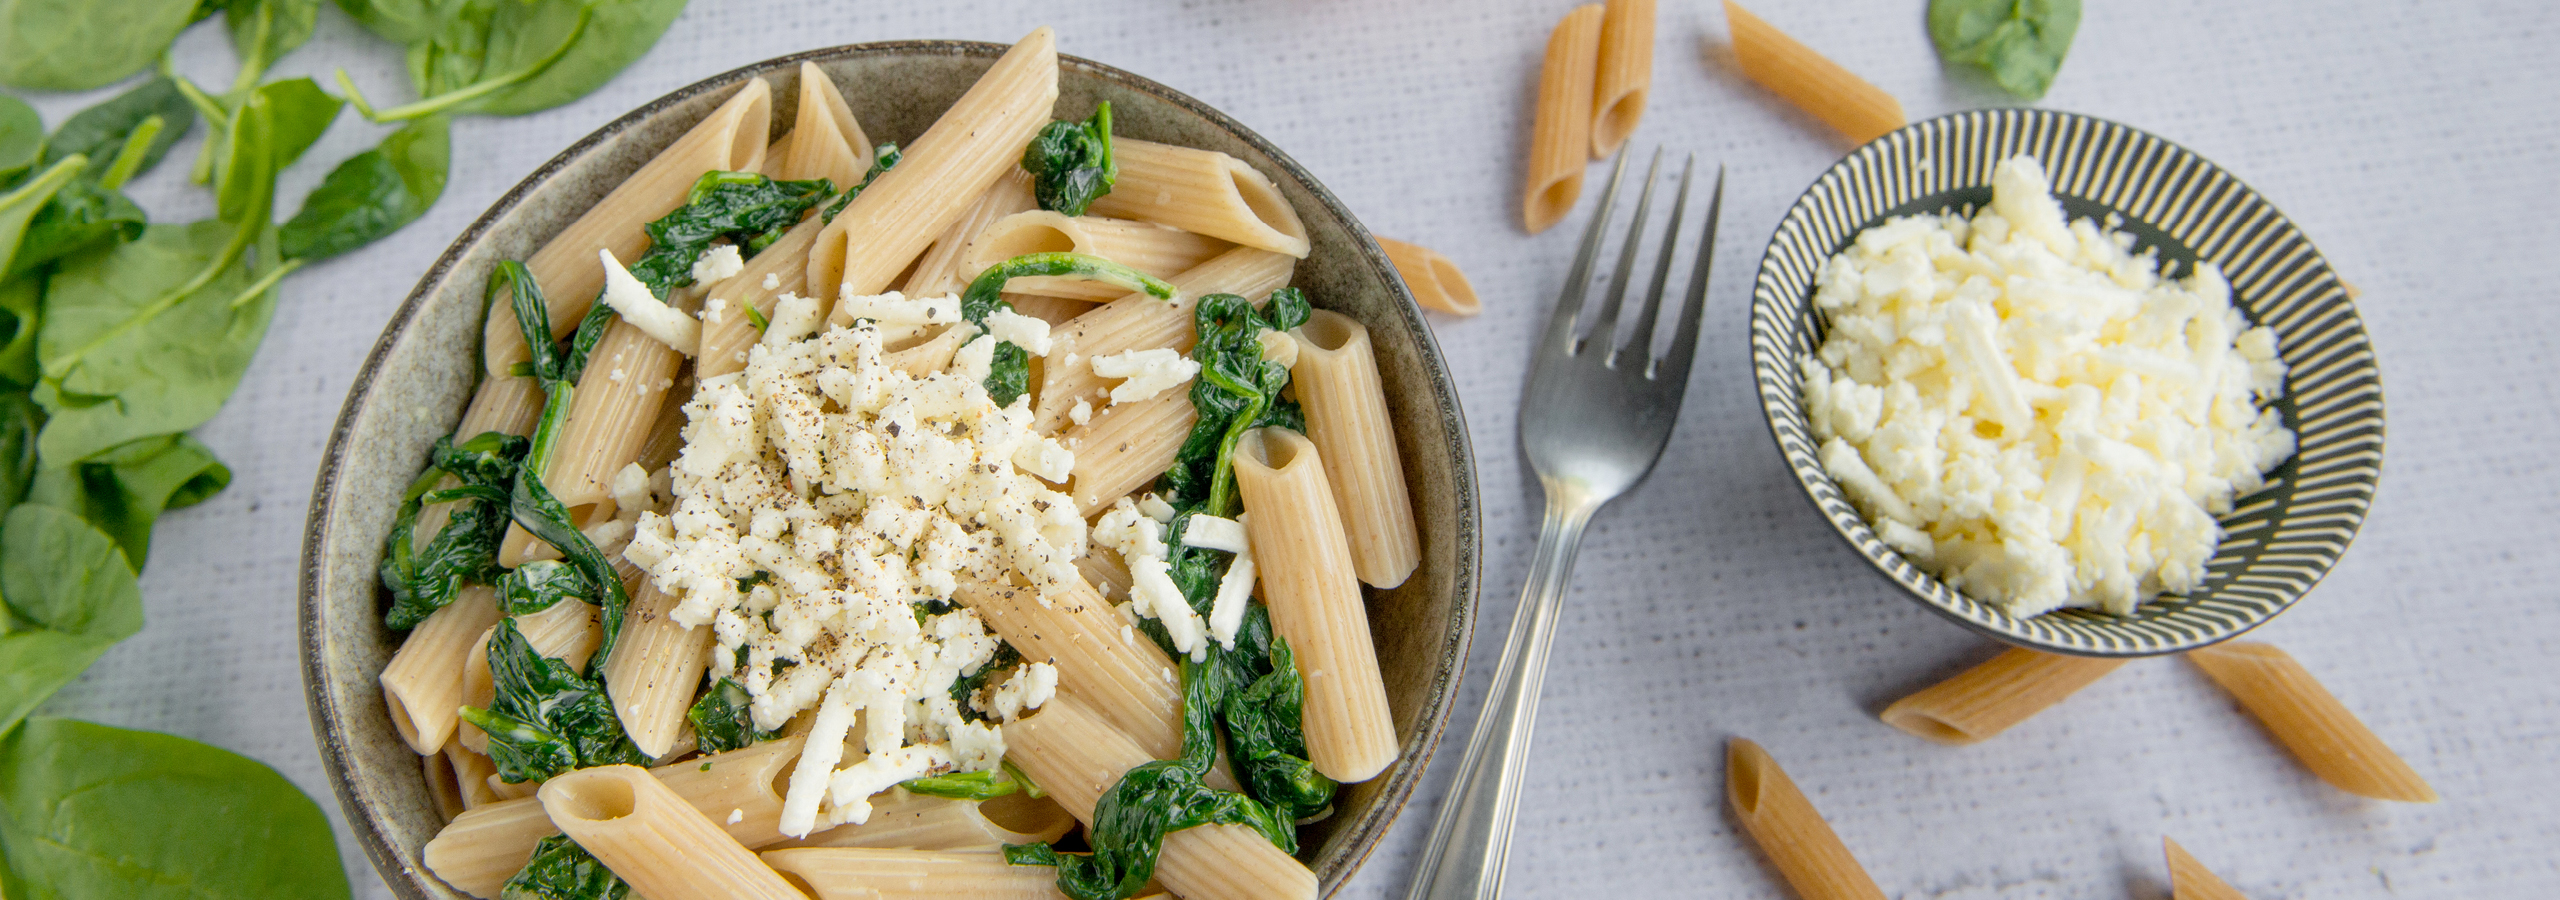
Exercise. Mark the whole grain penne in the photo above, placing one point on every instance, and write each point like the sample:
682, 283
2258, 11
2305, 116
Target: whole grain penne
1560, 131
656, 670
1985, 700
727, 329
903, 820
939, 271
617, 400
1433, 278
1098, 655
1304, 558
471, 773
1157, 250
422, 686
2190, 880
2310, 722
1625, 74
1141, 321
1056, 311
443, 786
1336, 376
1203, 192
1815, 84
1789, 830
1126, 447
825, 141
940, 176
860, 873
1076, 755
654, 840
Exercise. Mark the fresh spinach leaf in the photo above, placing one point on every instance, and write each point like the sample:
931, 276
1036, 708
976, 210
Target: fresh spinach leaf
546, 719
100, 131
986, 785
562, 870
425, 579
721, 721
1010, 375
2019, 43
602, 38
138, 340
1070, 163
75, 45
263, 31
69, 597
21, 137
19, 420
84, 214
87, 810
124, 490
19, 205
403, 21
19, 299
270, 130
373, 193
539, 585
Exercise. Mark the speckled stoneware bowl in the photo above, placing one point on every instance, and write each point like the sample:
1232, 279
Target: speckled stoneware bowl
2278, 541
413, 387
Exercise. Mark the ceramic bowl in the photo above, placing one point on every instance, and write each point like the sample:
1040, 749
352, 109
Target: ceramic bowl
2280, 540
414, 384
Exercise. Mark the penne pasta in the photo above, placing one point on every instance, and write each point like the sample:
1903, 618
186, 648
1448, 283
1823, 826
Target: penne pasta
940, 176
1989, 698
1434, 280
901, 820
825, 141
930, 355
471, 774
654, 840
1126, 447
1560, 133
1119, 672
1625, 74
2310, 722
1203, 192
1307, 579
727, 331
1787, 828
853, 873
1076, 755
1056, 311
1336, 376
1154, 249
1138, 322
2190, 880
1815, 84
655, 670
617, 401
1104, 570
443, 786
939, 271
422, 686
730, 139
479, 850
568, 631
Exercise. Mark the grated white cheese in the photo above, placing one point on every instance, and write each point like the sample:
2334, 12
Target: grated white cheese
717, 264
772, 280
1152, 593
1030, 334
2025, 406
1148, 372
645, 311
1080, 413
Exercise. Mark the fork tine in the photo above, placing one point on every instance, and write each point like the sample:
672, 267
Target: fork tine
1605, 329
1684, 342
1577, 284
1645, 320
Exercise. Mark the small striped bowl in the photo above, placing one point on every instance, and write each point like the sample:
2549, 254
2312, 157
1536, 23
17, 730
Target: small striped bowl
2278, 541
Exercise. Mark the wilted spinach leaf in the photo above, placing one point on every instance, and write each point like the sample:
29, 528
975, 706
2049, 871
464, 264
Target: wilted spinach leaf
126, 488
69, 595
562, 870
1070, 163
539, 585
882, 158
373, 193
100, 131
92, 811
75, 45
425, 579
1010, 376
547, 719
721, 722
741, 206
2019, 43
1237, 391
986, 785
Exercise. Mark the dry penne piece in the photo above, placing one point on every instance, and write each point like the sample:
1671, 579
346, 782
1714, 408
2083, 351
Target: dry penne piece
1812, 82
479, 850
825, 141
861, 873
1625, 74
422, 685
1119, 672
1141, 321
939, 271
2190, 880
1336, 375
1434, 280
1560, 133
1203, 192
1989, 698
654, 840
1126, 446
1789, 830
1157, 250
2310, 722
655, 669
1076, 755
1305, 561
939, 177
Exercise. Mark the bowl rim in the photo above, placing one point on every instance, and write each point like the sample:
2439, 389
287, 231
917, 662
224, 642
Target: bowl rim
1767, 301
1364, 835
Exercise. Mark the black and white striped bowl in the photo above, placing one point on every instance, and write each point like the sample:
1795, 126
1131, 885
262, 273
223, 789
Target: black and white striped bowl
2280, 540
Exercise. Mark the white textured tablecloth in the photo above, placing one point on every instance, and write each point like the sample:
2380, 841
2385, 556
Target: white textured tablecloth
2415, 143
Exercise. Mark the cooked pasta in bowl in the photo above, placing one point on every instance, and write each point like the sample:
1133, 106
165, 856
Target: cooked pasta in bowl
903, 461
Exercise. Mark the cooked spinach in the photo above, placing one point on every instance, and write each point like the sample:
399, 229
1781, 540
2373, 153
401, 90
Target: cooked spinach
69, 596
1010, 375
124, 489
1070, 163
101, 131
2018, 43
966, 687
547, 718
373, 193
562, 870
886, 156
740, 206
720, 718
529, 502
539, 585
1264, 714
87, 810
75, 45
1237, 391
986, 785
424, 579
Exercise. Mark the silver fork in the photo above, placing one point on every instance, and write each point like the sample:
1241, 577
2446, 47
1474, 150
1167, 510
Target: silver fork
1594, 421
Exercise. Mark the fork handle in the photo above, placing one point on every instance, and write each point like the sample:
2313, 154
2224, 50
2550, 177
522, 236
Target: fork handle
1472, 837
